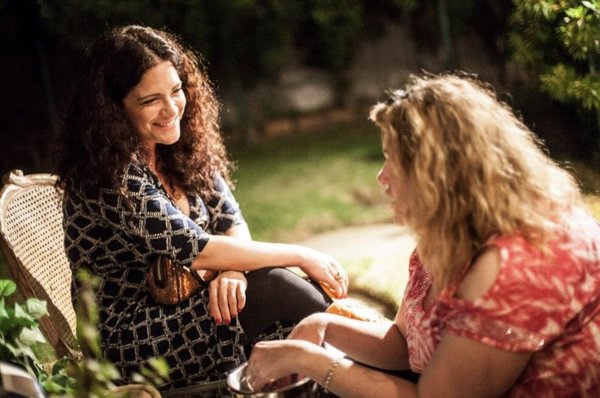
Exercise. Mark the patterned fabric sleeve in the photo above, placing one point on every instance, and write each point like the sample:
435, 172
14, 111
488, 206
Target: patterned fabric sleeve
529, 305
223, 208
151, 219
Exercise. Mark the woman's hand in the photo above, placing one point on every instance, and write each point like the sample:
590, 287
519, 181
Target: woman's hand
321, 267
272, 360
227, 296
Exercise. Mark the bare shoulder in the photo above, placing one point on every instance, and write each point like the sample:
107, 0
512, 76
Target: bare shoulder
481, 275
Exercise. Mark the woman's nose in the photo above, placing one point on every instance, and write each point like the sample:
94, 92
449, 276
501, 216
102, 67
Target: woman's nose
381, 178
170, 107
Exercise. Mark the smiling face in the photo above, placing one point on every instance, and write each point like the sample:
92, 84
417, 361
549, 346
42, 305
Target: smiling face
394, 180
155, 106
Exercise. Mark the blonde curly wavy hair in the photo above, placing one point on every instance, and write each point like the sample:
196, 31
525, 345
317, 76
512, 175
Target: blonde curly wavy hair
475, 170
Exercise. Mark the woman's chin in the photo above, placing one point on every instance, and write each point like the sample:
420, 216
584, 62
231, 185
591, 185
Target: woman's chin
399, 222
171, 140
399, 219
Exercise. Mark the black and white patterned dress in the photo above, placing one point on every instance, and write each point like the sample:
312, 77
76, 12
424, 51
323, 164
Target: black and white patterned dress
118, 241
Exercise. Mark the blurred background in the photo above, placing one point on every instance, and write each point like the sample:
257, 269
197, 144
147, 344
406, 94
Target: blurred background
296, 79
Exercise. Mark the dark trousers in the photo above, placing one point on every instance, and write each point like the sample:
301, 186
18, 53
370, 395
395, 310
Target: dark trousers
278, 294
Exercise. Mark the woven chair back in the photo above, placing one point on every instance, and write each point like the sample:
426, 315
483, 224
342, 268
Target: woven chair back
32, 241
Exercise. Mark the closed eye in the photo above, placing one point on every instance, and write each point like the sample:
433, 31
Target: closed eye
149, 101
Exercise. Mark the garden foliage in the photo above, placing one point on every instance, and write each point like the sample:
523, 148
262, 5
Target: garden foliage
560, 41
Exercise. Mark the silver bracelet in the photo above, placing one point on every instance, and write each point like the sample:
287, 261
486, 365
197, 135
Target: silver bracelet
330, 372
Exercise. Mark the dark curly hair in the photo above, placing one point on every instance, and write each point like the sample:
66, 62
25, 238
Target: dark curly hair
98, 141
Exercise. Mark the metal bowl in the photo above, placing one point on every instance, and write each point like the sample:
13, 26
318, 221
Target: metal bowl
291, 386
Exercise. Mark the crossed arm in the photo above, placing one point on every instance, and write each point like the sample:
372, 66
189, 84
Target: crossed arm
236, 252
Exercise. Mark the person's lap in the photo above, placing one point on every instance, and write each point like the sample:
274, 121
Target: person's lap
278, 295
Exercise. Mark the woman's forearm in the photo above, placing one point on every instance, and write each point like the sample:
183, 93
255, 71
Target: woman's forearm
231, 253
235, 254
352, 380
239, 231
376, 344
346, 378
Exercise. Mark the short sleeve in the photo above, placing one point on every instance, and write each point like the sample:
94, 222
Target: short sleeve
529, 305
150, 218
224, 211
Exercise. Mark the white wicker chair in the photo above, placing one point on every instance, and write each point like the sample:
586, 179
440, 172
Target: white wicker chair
32, 241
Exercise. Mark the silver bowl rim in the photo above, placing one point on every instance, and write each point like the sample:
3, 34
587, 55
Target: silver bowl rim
234, 374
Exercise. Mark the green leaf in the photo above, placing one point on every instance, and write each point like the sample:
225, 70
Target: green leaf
576, 13
51, 386
24, 349
30, 336
7, 287
61, 365
591, 6
3, 312
160, 366
36, 308
21, 317
138, 378
59, 384
14, 350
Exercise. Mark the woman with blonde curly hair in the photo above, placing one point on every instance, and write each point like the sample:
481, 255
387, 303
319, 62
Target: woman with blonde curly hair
146, 176
503, 297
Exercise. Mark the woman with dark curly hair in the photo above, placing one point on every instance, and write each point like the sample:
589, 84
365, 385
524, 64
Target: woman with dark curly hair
145, 174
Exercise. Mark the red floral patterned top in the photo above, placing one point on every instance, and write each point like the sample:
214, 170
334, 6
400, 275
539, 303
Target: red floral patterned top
549, 305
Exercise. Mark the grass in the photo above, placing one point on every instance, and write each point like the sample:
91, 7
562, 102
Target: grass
294, 186
297, 185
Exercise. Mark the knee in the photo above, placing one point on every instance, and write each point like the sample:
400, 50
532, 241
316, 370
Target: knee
266, 278
282, 285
